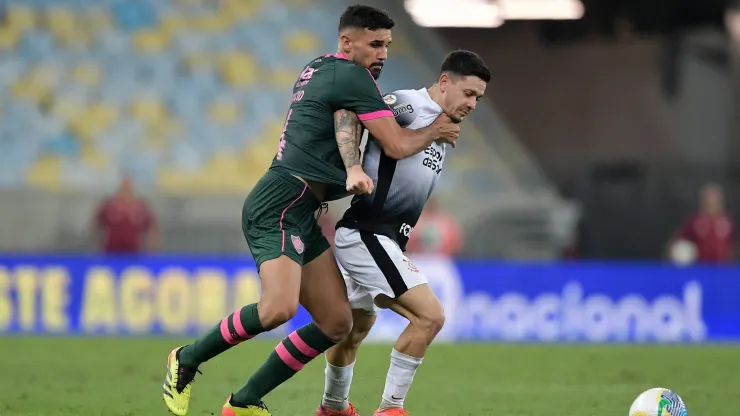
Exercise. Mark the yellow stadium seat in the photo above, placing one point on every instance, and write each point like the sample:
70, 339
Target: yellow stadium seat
93, 158
50, 75
20, 17
149, 110
151, 41
61, 21
301, 42
93, 121
238, 69
282, 77
8, 37
166, 128
210, 23
34, 91
240, 9
88, 74
224, 112
98, 20
173, 23
46, 173
65, 108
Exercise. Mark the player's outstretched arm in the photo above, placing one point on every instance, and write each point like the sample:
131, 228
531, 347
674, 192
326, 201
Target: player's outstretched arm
348, 130
399, 143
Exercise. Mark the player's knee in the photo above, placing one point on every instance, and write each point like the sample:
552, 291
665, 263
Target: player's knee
338, 327
431, 323
275, 313
355, 337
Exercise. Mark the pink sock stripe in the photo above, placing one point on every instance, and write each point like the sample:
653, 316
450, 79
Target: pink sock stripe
374, 115
239, 327
226, 333
304, 348
282, 216
288, 359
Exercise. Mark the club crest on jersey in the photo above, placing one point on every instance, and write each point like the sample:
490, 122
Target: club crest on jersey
297, 243
412, 267
390, 99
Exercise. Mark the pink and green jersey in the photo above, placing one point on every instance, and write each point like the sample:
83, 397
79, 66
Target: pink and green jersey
308, 146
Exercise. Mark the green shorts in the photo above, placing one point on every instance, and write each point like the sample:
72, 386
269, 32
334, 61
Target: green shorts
278, 219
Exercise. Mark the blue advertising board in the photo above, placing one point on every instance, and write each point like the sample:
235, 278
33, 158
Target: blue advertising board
484, 301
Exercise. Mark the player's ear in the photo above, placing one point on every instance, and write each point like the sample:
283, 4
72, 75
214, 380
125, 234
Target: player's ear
444, 80
345, 42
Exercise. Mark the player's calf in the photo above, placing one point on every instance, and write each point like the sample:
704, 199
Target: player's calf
426, 318
340, 363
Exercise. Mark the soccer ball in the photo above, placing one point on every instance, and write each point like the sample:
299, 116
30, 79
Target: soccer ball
683, 252
658, 402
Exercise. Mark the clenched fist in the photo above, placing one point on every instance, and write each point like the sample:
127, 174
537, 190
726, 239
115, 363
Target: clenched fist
358, 182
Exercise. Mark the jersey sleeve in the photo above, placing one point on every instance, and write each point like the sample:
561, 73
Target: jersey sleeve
356, 90
403, 107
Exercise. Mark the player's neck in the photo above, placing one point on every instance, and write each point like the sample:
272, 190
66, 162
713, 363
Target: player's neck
435, 94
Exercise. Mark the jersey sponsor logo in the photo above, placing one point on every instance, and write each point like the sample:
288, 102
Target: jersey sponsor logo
434, 159
402, 109
406, 230
297, 243
298, 96
390, 99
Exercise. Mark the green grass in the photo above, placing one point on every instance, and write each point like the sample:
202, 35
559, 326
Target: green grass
117, 377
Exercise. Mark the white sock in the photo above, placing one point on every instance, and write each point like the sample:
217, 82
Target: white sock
399, 379
336, 387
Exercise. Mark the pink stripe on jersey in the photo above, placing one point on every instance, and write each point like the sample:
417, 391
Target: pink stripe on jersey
288, 359
301, 345
374, 115
336, 55
282, 216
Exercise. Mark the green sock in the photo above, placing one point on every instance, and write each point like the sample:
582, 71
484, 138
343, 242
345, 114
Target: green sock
289, 357
240, 326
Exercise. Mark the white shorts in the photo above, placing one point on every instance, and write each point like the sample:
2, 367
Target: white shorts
373, 265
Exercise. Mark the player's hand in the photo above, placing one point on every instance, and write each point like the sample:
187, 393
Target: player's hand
358, 182
446, 129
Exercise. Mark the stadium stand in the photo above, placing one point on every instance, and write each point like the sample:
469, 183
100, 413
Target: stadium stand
187, 96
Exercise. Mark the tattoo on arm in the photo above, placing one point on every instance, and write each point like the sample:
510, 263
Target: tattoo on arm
348, 130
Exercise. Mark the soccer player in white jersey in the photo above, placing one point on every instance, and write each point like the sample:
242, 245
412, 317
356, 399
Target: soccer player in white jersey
371, 237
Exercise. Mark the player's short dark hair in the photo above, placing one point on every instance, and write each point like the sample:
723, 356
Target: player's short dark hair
465, 63
365, 17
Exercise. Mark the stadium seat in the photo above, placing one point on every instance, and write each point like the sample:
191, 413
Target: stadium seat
302, 42
46, 173
192, 94
151, 41
20, 17
238, 69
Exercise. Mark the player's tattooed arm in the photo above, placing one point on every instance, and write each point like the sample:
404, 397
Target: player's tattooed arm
348, 130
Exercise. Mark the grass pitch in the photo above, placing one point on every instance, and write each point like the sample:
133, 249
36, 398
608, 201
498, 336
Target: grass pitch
123, 377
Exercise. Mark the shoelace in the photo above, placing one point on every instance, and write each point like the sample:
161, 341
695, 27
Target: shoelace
185, 376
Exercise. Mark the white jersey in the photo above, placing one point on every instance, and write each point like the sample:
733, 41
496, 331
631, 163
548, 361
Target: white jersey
402, 187
372, 235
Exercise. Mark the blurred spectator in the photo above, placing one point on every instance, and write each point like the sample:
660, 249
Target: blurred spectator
437, 232
125, 223
711, 231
